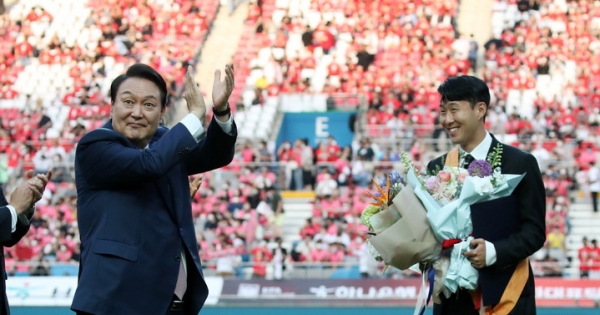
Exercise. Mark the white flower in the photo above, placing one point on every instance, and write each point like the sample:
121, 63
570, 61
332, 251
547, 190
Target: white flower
483, 186
499, 178
497, 171
451, 189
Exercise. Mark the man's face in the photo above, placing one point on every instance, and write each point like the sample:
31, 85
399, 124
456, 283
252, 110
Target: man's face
463, 123
137, 110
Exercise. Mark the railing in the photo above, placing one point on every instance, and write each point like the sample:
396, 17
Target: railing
244, 270
320, 102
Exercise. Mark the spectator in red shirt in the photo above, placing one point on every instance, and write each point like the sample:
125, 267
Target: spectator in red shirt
333, 148
260, 256
595, 261
585, 258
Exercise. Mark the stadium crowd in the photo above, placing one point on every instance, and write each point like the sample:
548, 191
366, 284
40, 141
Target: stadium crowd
541, 60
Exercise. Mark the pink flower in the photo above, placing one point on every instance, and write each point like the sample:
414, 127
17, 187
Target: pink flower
444, 176
462, 177
432, 184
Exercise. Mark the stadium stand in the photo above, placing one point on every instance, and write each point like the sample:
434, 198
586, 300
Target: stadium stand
58, 58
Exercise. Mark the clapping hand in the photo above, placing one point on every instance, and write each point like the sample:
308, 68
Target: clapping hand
28, 193
195, 185
192, 95
222, 89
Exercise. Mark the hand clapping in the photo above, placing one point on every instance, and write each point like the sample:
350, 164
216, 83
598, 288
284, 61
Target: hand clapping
28, 193
192, 95
195, 185
222, 89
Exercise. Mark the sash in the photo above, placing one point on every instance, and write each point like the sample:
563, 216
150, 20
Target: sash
517, 281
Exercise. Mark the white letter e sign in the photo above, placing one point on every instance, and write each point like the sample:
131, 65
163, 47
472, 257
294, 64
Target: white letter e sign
321, 127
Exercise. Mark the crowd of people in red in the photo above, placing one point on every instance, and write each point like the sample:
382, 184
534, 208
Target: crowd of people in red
393, 58
544, 57
396, 62
120, 33
166, 35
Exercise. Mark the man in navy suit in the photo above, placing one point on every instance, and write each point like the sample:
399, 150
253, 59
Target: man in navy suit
14, 218
139, 253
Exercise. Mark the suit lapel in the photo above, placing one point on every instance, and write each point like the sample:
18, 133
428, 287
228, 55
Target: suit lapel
162, 184
164, 189
492, 146
165, 183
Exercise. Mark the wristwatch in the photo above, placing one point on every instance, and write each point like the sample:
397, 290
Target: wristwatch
224, 112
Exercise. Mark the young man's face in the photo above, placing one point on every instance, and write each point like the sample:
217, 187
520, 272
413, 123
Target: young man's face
463, 124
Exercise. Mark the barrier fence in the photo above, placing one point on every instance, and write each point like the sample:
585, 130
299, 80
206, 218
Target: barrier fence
550, 292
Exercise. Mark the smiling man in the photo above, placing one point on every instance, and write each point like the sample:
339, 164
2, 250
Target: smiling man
139, 253
465, 101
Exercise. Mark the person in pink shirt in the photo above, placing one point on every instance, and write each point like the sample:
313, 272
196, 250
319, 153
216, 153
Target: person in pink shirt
319, 253
331, 207
308, 229
336, 254
331, 226
248, 152
63, 254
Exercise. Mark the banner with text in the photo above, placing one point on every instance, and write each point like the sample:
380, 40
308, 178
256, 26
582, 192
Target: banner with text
316, 127
59, 291
311, 291
550, 292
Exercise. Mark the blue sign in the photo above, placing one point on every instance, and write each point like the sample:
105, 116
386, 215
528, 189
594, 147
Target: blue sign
316, 127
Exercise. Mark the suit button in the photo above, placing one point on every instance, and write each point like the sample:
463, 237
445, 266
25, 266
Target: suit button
177, 258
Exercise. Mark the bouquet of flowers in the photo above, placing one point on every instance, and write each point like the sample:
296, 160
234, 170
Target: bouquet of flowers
447, 194
444, 197
400, 234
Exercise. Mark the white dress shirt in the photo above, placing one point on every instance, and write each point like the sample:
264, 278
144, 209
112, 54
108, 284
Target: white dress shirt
13, 216
194, 126
480, 153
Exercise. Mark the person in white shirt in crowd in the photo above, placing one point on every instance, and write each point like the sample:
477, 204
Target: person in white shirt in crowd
594, 184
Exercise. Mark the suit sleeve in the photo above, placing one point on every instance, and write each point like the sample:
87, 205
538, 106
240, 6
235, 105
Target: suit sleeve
5, 225
105, 157
5, 219
17, 235
530, 194
213, 151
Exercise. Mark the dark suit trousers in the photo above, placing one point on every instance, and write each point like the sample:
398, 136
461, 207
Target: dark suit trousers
461, 303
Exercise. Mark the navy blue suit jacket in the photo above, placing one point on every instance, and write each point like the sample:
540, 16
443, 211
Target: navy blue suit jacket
134, 215
8, 239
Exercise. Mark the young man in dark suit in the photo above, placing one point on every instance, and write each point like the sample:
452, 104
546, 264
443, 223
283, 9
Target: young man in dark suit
464, 104
139, 253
